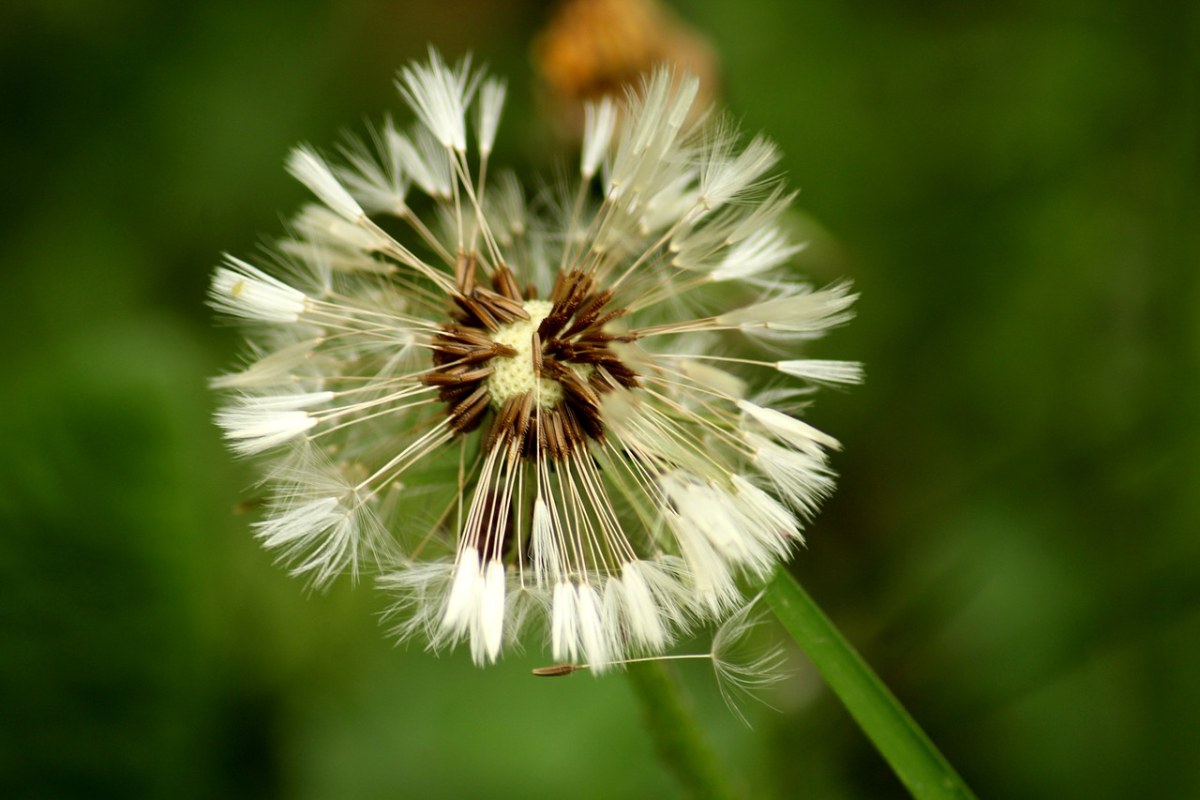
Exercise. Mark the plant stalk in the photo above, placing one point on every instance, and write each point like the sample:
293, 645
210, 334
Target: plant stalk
677, 736
918, 763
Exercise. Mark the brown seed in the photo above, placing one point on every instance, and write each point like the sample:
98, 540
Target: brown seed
535, 443
451, 395
467, 415
553, 369
472, 399
496, 533
560, 314
590, 422
458, 333
560, 286
455, 374
535, 350
502, 307
609, 317
596, 337
575, 297
560, 349
588, 312
469, 353
579, 392
596, 355
443, 377
441, 359
555, 670
524, 417
502, 425
505, 283
476, 374
476, 311
555, 441
464, 272
622, 374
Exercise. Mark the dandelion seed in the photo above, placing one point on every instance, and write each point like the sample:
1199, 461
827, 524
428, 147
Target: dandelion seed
491, 101
822, 371
512, 415
741, 669
599, 121
311, 170
242, 290
742, 672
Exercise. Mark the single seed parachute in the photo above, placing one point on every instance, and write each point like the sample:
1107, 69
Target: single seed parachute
554, 415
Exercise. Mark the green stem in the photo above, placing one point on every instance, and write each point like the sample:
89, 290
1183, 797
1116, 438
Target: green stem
677, 736
916, 760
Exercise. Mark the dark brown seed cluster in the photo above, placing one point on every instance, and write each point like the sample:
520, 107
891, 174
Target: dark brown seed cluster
569, 347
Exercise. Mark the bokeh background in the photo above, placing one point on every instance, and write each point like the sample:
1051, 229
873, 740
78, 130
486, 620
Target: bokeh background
1013, 188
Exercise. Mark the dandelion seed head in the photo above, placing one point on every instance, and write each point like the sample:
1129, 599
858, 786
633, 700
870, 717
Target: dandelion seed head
535, 415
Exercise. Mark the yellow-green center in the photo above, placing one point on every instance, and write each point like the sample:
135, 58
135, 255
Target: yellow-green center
513, 376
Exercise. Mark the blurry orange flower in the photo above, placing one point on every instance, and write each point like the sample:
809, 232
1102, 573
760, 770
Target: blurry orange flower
590, 48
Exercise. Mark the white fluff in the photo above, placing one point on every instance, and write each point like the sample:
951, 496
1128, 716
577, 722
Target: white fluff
323, 238
546, 558
424, 161
255, 430
593, 629
463, 601
268, 370
439, 96
491, 102
713, 378
798, 434
808, 312
820, 370
491, 609
725, 177
803, 479
320, 537
649, 147
245, 291
311, 170
702, 531
599, 121
763, 250
642, 612
564, 626
284, 402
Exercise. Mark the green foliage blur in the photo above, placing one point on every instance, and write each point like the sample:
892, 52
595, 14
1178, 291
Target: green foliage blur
1012, 187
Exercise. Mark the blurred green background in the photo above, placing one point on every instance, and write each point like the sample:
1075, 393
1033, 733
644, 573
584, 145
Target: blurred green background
1013, 188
